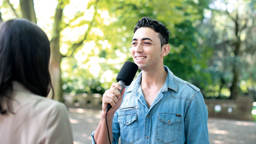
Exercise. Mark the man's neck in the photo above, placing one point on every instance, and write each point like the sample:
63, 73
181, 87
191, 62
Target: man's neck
153, 78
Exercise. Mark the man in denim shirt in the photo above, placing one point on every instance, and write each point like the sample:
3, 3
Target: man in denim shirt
158, 107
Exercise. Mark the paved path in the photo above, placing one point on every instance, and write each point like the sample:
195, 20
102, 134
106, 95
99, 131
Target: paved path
84, 121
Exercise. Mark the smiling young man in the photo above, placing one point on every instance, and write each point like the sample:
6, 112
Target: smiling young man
157, 107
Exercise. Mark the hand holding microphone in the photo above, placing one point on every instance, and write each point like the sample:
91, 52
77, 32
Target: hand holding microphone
124, 77
113, 96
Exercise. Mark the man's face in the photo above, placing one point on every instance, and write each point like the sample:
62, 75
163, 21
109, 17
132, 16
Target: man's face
146, 49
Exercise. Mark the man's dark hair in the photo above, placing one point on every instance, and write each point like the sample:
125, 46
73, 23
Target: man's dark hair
156, 26
24, 57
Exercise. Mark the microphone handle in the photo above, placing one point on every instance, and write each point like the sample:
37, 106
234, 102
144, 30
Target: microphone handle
122, 87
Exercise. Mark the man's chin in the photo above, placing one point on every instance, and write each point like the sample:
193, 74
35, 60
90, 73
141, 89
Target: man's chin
141, 67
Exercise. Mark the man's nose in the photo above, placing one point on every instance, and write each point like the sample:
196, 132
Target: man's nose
139, 48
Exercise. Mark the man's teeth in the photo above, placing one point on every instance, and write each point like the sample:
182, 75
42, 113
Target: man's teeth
140, 58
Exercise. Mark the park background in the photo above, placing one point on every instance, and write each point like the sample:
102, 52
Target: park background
213, 43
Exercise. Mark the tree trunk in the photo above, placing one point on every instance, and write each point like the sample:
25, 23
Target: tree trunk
55, 69
56, 56
234, 89
28, 10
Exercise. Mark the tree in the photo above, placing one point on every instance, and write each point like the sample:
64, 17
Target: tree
179, 17
118, 34
28, 12
55, 51
228, 30
101, 38
56, 56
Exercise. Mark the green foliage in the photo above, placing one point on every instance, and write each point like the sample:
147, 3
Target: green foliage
187, 59
63, 3
7, 12
224, 30
96, 37
79, 80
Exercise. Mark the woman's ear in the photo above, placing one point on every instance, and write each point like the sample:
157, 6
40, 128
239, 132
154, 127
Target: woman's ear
165, 49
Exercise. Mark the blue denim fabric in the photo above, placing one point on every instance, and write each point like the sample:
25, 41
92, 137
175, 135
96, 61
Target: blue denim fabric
177, 116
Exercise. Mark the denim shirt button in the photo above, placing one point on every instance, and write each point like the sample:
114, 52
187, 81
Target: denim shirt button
146, 137
147, 115
169, 121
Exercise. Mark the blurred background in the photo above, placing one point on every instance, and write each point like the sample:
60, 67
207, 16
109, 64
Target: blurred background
213, 46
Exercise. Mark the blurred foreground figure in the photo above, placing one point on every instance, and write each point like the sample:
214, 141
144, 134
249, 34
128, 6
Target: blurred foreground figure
26, 115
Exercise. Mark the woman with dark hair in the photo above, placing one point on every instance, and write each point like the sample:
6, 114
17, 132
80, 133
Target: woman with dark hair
26, 115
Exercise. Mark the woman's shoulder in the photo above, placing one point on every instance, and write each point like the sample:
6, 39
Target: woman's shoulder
27, 100
45, 104
43, 101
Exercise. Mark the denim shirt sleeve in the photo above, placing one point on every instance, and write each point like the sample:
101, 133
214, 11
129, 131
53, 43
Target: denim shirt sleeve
92, 135
196, 121
115, 129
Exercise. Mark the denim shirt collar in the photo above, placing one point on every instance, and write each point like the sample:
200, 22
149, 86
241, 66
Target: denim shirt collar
170, 82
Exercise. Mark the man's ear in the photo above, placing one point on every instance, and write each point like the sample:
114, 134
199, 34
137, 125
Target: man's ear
165, 49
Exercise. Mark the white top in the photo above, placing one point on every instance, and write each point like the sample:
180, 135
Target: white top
37, 120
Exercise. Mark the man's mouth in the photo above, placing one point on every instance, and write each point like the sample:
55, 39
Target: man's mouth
140, 58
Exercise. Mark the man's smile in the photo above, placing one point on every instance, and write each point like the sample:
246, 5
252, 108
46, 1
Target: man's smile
140, 57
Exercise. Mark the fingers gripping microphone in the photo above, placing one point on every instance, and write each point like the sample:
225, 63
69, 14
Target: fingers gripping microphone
125, 76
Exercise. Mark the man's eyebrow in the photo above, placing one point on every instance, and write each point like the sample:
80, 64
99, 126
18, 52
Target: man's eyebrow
146, 38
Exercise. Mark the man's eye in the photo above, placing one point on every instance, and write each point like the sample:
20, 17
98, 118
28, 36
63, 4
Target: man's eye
134, 43
146, 43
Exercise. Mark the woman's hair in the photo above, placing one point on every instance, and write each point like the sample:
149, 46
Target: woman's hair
24, 57
156, 26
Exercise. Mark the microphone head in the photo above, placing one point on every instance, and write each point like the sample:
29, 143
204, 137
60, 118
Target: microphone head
127, 72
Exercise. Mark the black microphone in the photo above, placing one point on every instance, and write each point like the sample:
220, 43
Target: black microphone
125, 76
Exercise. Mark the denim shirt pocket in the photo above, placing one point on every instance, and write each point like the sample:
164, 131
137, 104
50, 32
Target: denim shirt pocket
129, 128
168, 127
